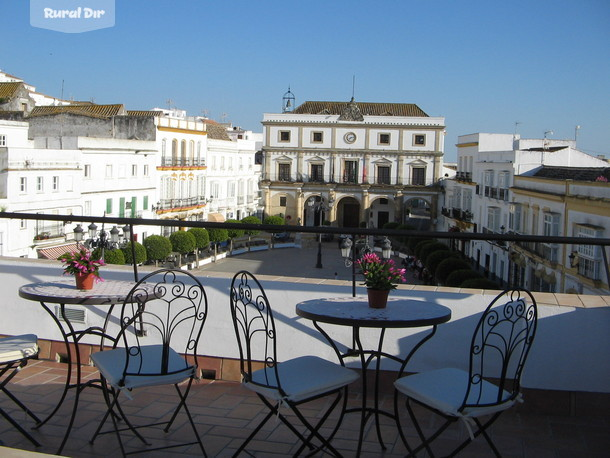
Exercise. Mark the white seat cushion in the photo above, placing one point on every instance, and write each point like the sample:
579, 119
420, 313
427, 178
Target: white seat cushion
18, 347
112, 362
444, 390
302, 378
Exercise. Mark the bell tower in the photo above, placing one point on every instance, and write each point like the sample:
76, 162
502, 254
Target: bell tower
288, 102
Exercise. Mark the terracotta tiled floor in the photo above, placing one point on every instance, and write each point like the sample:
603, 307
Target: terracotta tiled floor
225, 414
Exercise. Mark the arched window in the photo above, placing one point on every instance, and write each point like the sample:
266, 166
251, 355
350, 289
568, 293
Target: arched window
174, 152
192, 153
183, 153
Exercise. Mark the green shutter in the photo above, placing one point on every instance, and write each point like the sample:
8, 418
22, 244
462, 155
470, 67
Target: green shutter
109, 206
122, 208
134, 201
145, 203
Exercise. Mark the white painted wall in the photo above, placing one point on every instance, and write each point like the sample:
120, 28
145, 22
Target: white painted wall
569, 353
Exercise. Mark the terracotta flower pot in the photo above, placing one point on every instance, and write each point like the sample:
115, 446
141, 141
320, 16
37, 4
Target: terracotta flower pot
84, 281
378, 298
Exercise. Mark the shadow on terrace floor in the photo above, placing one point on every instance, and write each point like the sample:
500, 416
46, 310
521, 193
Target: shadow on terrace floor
225, 413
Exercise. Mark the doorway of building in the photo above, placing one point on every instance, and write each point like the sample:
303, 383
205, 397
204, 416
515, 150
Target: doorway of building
348, 212
315, 211
382, 219
350, 215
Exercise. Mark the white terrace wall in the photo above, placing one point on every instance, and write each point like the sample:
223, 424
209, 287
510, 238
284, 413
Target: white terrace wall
570, 352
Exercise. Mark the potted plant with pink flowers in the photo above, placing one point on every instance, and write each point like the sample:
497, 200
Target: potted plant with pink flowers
380, 277
83, 266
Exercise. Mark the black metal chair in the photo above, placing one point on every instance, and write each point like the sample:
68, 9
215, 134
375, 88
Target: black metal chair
498, 351
288, 383
161, 322
15, 352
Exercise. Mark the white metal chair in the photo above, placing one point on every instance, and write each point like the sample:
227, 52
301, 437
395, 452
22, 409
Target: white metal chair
15, 352
498, 351
289, 383
172, 314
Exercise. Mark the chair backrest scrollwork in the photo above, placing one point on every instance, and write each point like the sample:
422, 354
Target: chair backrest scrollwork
499, 348
254, 328
171, 307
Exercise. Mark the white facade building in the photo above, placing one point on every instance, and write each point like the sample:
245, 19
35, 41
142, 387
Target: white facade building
69, 175
204, 174
561, 201
350, 164
79, 158
34, 181
480, 198
233, 178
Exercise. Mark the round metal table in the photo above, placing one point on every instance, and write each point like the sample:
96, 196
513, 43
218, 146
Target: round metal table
355, 312
64, 292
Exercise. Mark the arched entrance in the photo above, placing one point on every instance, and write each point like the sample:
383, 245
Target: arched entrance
416, 213
348, 212
381, 211
315, 211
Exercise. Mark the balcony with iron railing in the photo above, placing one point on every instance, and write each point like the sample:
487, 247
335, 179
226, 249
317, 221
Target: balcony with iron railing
457, 214
546, 251
561, 385
182, 162
463, 176
346, 179
182, 203
495, 193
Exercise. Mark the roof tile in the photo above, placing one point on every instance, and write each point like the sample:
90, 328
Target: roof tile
94, 111
7, 90
366, 108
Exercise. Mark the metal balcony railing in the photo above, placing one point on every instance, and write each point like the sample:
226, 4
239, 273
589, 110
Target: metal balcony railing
459, 214
463, 176
548, 251
182, 162
168, 204
495, 193
545, 247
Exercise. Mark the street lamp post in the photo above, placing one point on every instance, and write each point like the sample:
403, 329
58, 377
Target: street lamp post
348, 252
350, 258
318, 207
103, 240
319, 259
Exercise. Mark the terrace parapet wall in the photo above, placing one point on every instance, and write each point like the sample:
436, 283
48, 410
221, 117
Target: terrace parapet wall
568, 369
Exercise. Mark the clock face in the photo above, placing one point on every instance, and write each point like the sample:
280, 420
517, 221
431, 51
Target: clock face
350, 137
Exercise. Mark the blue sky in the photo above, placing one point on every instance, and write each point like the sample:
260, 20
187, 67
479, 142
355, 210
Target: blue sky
483, 65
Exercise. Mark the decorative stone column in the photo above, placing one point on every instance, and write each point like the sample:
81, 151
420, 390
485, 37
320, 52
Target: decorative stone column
267, 198
398, 205
299, 171
299, 207
364, 207
332, 204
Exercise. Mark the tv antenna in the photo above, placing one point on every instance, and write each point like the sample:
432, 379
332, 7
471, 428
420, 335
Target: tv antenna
517, 126
353, 85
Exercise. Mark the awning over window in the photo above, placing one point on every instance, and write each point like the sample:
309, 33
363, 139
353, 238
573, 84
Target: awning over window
216, 218
56, 251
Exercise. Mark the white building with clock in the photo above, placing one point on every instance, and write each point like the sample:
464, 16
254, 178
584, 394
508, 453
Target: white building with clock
350, 164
